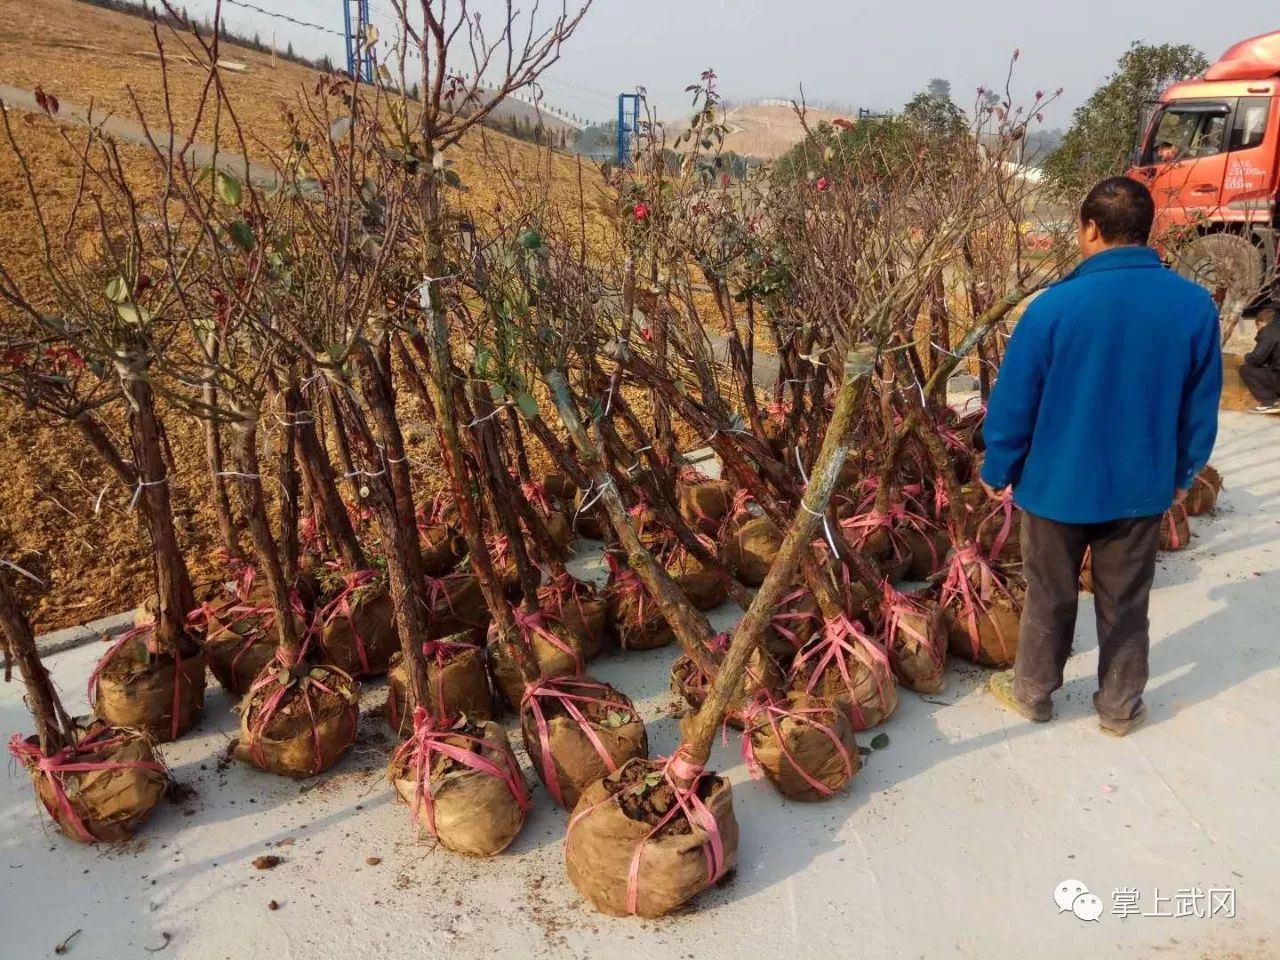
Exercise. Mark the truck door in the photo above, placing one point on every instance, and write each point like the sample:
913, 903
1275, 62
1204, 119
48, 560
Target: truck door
1185, 162
1250, 186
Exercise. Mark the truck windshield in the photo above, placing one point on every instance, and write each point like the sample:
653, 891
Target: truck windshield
1188, 131
1144, 124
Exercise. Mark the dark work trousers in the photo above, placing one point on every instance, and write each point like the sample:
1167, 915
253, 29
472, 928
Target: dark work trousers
1124, 563
1263, 383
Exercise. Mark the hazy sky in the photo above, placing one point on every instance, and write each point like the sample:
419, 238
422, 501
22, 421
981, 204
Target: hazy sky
873, 53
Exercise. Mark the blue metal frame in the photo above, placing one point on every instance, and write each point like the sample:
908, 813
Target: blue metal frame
354, 34
628, 123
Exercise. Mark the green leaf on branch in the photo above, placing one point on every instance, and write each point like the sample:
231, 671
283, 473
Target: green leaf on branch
484, 362
528, 405
242, 234
118, 290
530, 239
133, 313
227, 189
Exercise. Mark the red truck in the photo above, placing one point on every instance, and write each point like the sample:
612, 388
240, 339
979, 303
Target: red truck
1209, 149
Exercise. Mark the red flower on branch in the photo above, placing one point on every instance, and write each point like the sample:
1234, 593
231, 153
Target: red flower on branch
823, 184
640, 211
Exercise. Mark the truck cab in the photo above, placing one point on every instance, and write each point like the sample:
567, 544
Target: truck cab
1209, 150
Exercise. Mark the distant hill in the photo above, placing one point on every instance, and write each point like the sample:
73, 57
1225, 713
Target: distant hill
769, 128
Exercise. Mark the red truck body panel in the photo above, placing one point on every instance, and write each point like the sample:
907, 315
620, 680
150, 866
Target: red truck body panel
1211, 151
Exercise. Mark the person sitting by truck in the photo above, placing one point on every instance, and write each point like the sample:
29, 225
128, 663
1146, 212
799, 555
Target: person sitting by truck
1261, 369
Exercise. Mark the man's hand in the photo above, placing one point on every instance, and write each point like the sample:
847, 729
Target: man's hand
1003, 492
1180, 497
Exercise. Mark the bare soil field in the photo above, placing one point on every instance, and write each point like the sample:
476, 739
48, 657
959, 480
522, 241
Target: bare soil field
64, 518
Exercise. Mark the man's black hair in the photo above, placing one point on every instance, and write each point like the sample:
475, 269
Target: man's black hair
1123, 210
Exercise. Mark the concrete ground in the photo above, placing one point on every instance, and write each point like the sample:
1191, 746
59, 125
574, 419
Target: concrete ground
949, 843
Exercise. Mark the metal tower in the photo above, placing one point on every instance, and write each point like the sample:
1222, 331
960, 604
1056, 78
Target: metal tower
359, 52
628, 123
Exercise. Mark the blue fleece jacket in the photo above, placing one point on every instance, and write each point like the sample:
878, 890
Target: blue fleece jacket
1107, 399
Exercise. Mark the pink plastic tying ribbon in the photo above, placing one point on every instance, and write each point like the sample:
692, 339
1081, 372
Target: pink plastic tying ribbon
562, 587
796, 617
626, 582
958, 586
895, 608
261, 617
442, 652
178, 678
1175, 539
430, 740
533, 625
65, 761
1001, 508
676, 770
569, 693
842, 639
768, 711
536, 494
275, 700
341, 606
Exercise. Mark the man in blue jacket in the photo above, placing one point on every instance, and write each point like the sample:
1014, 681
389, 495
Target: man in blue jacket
1105, 409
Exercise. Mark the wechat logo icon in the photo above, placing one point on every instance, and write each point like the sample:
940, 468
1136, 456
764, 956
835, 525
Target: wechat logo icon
1074, 897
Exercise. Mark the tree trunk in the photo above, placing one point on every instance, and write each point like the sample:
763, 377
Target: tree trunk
253, 504
700, 731
91, 429
290, 507
176, 598
52, 724
213, 454
324, 494
689, 625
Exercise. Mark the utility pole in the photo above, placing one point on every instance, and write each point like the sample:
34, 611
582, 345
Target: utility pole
628, 124
355, 14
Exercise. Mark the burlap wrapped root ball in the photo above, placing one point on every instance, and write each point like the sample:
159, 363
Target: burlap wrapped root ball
240, 640
983, 609
462, 784
161, 693
1175, 529
637, 620
762, 677
928, 548
443, 548
556, 653
560, 488
458, 606
705, 504
587, 516
850, 670
580, 611
705, 589
796, 620
101, 788
679, 844
577, 731
457, 684
915, 633
802, 745
750, 547
1202, 498
298, 720
880, 540
358, 628
996, 525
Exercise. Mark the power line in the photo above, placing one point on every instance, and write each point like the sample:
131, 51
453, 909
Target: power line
284, 16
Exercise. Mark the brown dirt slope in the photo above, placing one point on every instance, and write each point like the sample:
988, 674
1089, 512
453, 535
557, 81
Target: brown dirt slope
61, 515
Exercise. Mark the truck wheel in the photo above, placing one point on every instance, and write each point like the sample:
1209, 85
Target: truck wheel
1229, 266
